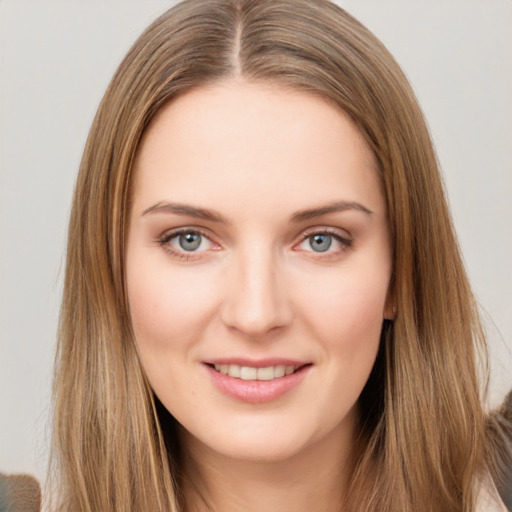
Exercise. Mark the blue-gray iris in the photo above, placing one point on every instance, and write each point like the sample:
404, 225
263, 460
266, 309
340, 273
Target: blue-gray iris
190, 241
320, 243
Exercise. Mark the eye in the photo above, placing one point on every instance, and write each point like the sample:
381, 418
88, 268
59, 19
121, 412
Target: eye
185, 243
326, 241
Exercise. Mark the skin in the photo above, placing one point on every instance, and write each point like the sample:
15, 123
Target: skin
256, 154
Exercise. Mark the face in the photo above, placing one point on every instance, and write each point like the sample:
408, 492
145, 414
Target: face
258, 265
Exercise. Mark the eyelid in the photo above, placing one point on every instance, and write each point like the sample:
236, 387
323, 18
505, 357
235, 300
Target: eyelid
336, 233
339, 234
164, 239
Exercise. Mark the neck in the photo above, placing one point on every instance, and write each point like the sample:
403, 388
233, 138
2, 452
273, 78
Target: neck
314, 479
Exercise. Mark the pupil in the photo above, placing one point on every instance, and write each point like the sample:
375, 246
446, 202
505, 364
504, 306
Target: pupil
190, 241
320, 243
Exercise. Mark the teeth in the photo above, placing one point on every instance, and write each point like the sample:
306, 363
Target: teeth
266, 373
234, 371
250, 373
289, 369
279, 371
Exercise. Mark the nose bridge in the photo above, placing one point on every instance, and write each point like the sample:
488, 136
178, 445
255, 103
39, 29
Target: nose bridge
257, 302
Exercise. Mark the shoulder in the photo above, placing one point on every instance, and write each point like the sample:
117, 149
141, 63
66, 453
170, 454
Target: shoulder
19, 492
499, 449
488, 498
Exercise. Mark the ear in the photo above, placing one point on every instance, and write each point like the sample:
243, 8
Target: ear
390, 307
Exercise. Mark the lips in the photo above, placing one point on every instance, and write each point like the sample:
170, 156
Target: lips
256, 381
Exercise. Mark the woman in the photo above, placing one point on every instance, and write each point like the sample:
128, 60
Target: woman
312, 342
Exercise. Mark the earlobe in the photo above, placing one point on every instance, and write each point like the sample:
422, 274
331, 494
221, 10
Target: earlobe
390, 309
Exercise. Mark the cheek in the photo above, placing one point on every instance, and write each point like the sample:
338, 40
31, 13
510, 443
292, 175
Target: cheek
350, 304
345, 314
167, 307
349, 329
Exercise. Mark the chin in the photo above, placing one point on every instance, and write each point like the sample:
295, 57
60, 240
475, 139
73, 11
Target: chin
261, 440
260, 450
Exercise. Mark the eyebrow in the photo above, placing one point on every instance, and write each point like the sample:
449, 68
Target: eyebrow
212, 215
184, 209
338, 206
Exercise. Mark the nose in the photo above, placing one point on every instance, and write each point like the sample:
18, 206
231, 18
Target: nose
256, 302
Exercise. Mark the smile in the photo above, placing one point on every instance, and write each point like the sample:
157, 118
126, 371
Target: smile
257, 382
251, 373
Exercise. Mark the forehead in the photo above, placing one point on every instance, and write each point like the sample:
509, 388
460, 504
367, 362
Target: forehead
254, 141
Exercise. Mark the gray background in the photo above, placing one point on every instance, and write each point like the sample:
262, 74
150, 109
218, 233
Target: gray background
56, 58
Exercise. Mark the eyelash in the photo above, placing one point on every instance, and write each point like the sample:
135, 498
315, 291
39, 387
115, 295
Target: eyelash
164, 240
346, 243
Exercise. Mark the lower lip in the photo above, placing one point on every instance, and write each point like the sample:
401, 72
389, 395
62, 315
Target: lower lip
257, 391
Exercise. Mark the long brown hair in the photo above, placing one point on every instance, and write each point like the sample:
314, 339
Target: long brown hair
421, 443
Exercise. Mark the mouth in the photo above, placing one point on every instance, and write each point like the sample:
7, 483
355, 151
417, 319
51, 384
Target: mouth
266, 373
259, 381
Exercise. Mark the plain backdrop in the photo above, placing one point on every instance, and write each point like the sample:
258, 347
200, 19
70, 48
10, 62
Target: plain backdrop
56, 58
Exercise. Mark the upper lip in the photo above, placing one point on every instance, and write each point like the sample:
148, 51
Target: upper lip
256, 363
